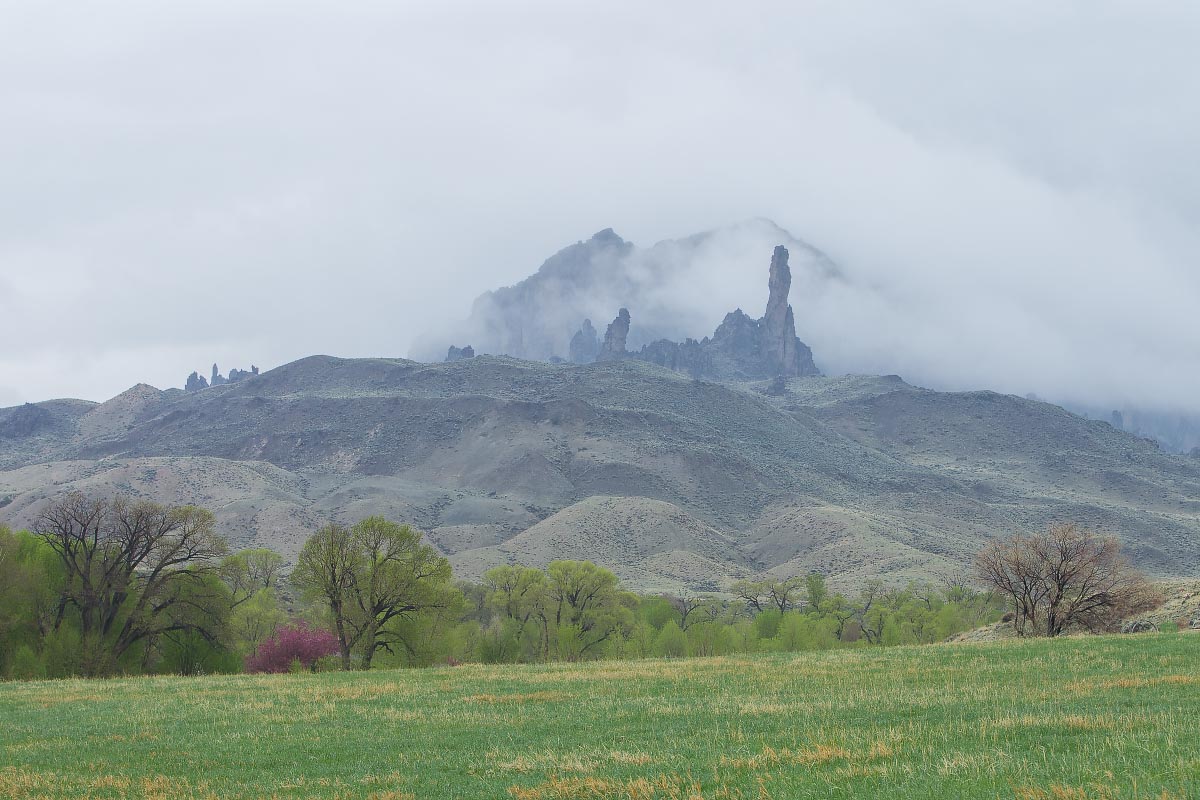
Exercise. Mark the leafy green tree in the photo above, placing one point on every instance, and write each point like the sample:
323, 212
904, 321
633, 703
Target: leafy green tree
519, 596
586, 607
375, 577
253, 578
134, 571
816, 589
671, 641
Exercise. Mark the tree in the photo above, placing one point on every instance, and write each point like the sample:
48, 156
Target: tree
296, 643
518, 594
1062, 577
688, 606
373, 575
816, 589
671, 641
771, 593
134, 570
586, 606
253, 577
247, 572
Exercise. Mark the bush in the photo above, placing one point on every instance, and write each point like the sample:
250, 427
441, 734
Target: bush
25, 665
296, 643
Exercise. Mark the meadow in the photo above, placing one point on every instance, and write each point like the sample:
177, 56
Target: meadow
1077, 717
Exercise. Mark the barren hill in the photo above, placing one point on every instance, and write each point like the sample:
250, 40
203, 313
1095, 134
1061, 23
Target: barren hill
669, 480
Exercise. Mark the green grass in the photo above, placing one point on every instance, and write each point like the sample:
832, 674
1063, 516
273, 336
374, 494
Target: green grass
1107, 717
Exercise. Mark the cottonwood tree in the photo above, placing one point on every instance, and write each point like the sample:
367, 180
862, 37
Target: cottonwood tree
1061, 577
782, 595
586, 605
687, 606
253, 578
134, 571
518, 595
373, 575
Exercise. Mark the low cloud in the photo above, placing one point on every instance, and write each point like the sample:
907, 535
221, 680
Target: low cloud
1009, 190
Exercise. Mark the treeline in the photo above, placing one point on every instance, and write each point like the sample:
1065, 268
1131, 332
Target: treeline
118, 586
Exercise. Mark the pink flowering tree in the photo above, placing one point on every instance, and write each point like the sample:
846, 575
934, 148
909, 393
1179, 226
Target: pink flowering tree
294, 643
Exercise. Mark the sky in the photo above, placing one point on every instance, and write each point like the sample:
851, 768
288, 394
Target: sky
1013, 187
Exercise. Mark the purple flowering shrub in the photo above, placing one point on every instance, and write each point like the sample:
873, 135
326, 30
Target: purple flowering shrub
297, 642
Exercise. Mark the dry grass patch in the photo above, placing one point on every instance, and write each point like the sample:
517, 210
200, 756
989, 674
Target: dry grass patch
529, 697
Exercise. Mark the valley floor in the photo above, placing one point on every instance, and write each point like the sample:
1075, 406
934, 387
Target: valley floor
1096, 717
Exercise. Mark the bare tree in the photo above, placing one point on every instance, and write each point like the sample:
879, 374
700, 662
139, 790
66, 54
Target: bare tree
1062, 577
251, 571
686, 605
783, 595
135, 570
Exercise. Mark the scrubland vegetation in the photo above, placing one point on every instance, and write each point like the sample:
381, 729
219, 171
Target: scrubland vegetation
118, 587
1074, 717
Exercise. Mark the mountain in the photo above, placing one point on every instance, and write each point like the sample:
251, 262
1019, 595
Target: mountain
673, 290
670, 480
679, 463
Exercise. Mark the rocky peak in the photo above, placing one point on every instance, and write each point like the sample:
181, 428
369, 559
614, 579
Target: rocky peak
780, 346
196, 381
585, 344
615, 337
460, 353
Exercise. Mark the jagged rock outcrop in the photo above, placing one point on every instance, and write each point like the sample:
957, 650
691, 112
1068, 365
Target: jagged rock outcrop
615, 338
741, 348
236, 374
196, 381
460, 353
585, 344
688, 356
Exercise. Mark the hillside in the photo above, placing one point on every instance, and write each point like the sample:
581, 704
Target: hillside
500, 460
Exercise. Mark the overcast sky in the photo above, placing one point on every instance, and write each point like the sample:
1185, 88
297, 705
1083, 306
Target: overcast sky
248, 182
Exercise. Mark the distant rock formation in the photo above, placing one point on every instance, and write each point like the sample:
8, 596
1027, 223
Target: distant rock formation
615, 338
741, 348
236, 374
585, 344
196, 381
779, 343
460, 353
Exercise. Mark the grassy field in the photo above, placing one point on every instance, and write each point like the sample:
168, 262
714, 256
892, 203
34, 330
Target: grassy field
1111, 717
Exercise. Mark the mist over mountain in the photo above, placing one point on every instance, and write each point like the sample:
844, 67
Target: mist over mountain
675, 289
682, 288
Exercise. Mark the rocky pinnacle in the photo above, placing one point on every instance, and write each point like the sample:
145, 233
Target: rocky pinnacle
779, 326
614, 338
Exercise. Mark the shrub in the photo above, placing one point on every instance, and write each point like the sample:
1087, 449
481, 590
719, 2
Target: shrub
296, 643
25, 665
